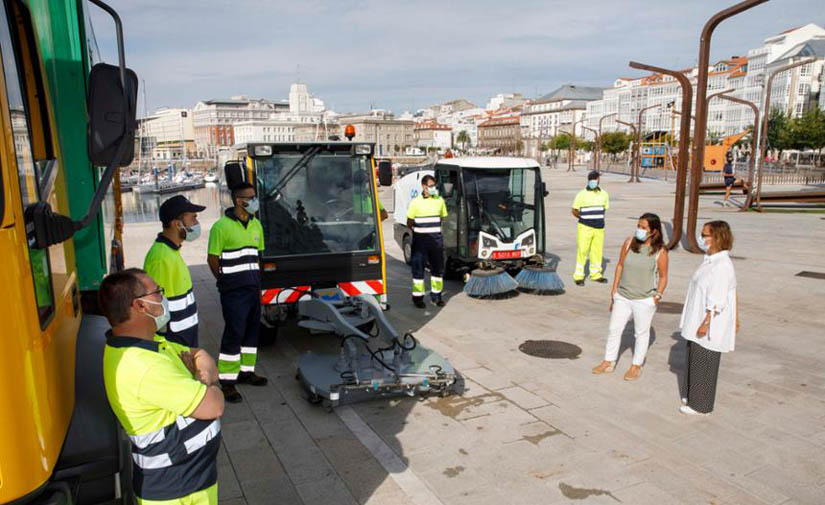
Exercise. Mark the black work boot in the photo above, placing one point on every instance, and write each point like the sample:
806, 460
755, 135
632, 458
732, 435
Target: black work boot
230, 394
418, 301
437, 299
252, 379
579, 282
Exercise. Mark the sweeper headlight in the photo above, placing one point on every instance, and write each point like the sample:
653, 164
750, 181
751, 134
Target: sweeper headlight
363, 149
528, 240
488, 242
263, 150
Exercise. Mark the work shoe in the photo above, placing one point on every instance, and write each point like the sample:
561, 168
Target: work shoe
438, 300
605, 367
600, 280
579, 282
418, 301
230, 394
633, 373
252, 379
684, 409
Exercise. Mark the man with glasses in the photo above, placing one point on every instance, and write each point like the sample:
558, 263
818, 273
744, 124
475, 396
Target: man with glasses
235, 242
164, 394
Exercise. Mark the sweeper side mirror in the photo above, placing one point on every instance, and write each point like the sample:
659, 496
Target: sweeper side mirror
448, 189
544, 191
233, 172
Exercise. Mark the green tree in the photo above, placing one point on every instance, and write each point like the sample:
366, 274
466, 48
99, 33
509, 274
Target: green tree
463, 138
615, 142
585, 145
560, 142
779, 130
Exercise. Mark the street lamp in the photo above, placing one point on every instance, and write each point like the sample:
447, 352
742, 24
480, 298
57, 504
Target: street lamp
684, 135
632, 152
702, 114
766, 112
597, 164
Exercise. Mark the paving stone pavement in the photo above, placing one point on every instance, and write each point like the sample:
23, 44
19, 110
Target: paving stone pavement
533, 431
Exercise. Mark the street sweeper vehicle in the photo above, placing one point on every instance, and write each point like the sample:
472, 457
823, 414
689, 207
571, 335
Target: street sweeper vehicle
495, 224
323, 262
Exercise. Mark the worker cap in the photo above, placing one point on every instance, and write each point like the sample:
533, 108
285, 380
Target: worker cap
593, 175
175, 206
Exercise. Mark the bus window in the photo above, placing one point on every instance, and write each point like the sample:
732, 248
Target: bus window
26, 167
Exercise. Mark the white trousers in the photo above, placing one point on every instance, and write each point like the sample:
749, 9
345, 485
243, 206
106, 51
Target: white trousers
642, 312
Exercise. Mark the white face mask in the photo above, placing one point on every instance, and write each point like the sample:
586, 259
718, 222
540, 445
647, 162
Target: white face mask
163, 319
192, 232
252, 206
432, 190
703, 245
641, 235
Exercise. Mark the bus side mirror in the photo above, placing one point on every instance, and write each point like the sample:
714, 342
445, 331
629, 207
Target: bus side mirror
233, 172
111, 118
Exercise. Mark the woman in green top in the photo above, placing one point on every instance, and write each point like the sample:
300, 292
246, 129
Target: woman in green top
638, 285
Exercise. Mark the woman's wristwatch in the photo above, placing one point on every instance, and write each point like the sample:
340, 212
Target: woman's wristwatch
657, 295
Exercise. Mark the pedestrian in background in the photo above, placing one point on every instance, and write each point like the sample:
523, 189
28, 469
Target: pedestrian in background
589, 207
638, 285
709, 319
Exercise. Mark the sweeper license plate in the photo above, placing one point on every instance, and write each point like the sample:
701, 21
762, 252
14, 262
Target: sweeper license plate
506, 255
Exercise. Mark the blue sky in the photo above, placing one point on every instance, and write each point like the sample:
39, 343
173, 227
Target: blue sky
401, 55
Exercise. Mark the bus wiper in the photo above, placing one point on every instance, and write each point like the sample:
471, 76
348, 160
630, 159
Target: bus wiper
301, 163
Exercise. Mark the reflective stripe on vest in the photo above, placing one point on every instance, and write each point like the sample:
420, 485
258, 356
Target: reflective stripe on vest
592, 216
176, 460
183, 312
239, 260
429, 224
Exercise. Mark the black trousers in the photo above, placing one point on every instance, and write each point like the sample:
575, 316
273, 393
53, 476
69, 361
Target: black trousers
239, 344
427, 248
702, 374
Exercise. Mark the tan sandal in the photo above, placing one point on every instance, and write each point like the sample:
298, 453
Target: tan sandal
605, 367
633, 373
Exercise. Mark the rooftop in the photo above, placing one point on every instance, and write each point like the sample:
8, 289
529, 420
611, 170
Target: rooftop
572, 92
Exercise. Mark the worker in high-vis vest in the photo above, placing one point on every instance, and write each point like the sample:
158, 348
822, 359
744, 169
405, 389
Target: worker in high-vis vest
165, 395
235, 242
165, 265
424, 217
589, 208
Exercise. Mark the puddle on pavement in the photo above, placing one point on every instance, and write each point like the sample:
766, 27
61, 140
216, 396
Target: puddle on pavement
453, 406
670, 307
453, 471
550, 349
580, 493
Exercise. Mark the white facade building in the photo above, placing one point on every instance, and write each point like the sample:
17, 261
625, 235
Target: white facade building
502, 101
172, 133
794, 91
264, 130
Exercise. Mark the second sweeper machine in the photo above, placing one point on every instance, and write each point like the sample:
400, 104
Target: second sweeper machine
323, 262
495, 224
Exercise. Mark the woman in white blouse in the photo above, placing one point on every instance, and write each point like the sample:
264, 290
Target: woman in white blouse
709, 321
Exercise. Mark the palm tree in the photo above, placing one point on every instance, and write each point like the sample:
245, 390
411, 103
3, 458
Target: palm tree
463, 138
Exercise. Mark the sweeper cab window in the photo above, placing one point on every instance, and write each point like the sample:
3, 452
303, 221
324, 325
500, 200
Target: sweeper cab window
316, 202
501, 202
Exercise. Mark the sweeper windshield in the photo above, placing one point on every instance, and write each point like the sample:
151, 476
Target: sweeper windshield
501, 202
316, 203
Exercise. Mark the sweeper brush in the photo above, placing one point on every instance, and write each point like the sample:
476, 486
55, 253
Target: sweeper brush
540, 280
490, 283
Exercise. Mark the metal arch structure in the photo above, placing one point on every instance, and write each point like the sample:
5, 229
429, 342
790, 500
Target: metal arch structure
700, 132
766, 112
754, 135
684, 138
597, 164
639, 141
633, 153
596, 135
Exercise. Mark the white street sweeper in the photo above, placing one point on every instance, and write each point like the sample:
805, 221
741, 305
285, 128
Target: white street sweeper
495, 226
